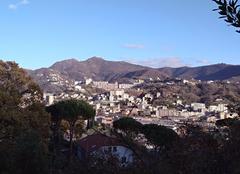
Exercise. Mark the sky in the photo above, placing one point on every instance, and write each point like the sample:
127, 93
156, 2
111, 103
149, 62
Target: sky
156, 33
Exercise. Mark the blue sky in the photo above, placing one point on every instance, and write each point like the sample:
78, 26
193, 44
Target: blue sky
37, 33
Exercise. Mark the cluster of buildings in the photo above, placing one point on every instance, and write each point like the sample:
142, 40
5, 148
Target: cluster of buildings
50, 98
76, 90
54, 78
116, 104
120, 100
111, 86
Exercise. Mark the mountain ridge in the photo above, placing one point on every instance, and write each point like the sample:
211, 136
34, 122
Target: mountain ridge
100, 69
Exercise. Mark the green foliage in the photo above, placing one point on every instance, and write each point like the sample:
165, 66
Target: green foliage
229, 10
194, 154
27, 153
202, 92
79, 128
71, 110
18, 85
127, 125
24, 124
31, 154
226, 122
234, 108
160, 136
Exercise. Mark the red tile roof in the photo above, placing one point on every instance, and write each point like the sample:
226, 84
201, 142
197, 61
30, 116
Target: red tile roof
94, 142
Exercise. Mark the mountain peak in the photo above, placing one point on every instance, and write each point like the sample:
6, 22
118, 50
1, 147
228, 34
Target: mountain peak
95, 58
71, 60
65, 63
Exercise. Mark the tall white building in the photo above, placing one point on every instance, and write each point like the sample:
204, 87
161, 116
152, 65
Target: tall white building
88, 81
49, 98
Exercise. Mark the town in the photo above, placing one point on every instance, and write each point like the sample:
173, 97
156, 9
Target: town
113, 101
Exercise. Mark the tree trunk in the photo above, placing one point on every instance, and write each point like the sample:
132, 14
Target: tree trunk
93, 119
71, 140
55, 139
58, 136
88, 124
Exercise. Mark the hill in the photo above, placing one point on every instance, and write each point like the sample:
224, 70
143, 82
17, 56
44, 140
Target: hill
63, 73
95, 67
210, 72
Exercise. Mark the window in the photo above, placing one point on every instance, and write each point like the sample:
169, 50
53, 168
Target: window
124, 159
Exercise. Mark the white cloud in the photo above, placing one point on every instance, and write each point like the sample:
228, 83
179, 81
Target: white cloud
16, 5
160, 62
134, 46
170, 62
24, 2
203, 61
12, 6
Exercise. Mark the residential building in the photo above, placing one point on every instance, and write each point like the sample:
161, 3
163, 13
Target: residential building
105, 146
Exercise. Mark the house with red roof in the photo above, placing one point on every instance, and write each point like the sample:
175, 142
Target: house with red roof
99, 144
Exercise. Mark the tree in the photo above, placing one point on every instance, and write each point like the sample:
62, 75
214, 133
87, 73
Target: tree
234, 108
56, 118
71, 111
195, 153
159, 136
226, 122
229, 10
16, 82
128, 125
31, 154
231, 150
24, 124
